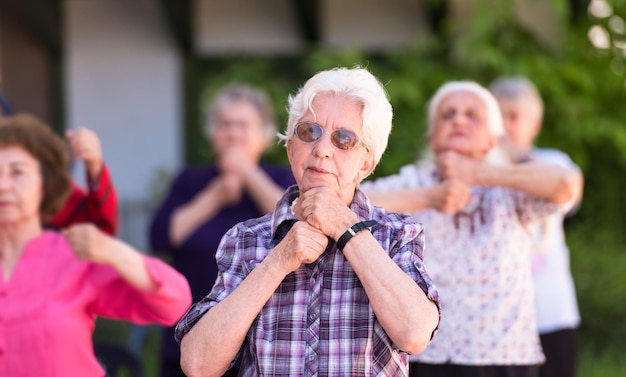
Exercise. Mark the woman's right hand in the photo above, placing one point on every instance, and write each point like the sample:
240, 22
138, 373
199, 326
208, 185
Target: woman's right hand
449, 195
230, 188
303, 244
88, 242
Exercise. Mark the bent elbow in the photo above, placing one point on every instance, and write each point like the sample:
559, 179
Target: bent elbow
417, 339
194, 366
195, 363
569, 188
415, 344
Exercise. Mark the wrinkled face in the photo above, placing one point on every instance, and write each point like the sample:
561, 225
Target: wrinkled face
320, 163
521, 126
239, 125
21, 186
461, 126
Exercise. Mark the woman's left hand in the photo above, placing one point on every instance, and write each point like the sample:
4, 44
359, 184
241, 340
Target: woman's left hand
88, 243
453, 165
323, 209
85, 146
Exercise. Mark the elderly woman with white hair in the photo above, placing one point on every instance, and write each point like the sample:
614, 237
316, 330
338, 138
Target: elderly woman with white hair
327, 284
476, 207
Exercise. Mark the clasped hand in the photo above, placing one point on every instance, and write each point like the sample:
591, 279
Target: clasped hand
322, 215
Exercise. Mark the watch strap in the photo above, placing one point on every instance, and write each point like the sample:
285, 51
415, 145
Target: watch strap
352, 231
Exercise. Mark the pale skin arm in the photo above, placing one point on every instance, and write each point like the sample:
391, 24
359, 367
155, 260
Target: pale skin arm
207, 203
403, 309
85, 146
448, 196
238, 174
89, 243
264, 191
213, 342
554, 183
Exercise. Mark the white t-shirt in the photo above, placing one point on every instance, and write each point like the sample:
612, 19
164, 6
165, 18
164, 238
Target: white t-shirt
555, 294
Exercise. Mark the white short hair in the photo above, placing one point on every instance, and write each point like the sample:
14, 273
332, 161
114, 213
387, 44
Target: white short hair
494, 116
519, 89
357, 84
239, 92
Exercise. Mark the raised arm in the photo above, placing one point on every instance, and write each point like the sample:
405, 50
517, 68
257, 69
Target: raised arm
98, 205
554, 183
448, 196
91, 244
220, 192
405, 312
264, 191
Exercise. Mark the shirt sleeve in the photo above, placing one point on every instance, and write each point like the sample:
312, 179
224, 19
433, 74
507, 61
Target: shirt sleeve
101, 203
98, 205
531, 208
231, 273
116, 298
406, 249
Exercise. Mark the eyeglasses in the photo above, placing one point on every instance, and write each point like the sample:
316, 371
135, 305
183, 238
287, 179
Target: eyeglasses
310, 132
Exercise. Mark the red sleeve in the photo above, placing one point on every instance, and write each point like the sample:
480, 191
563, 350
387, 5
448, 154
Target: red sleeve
97, 206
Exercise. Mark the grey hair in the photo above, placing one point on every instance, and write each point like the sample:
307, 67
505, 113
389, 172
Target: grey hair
519, 89
357, 84
494, 117
242, 93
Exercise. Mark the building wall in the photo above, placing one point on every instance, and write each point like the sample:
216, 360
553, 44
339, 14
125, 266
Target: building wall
25, 65
123, 80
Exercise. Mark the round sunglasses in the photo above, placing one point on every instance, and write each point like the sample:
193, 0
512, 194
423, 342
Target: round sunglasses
310, 132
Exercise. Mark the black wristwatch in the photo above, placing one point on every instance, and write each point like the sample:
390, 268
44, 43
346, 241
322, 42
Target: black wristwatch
352, 231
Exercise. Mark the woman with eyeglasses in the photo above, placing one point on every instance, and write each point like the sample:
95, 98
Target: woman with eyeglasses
476, 208
326, 284
204, 202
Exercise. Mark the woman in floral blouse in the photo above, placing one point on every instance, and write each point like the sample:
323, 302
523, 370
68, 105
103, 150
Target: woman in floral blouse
476, 207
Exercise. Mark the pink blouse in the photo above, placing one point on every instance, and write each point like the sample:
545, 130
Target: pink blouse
49, 306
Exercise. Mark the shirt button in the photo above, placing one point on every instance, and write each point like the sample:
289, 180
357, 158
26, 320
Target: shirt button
312, 357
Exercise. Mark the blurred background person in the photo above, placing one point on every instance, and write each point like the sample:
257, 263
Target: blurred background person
475, 207
54, 286
98, 203
555, 294
204, 202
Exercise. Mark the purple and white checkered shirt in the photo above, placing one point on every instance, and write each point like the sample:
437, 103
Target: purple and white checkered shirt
319, 322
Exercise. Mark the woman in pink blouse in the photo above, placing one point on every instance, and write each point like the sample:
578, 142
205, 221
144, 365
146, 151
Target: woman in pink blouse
53, 286
476, 209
